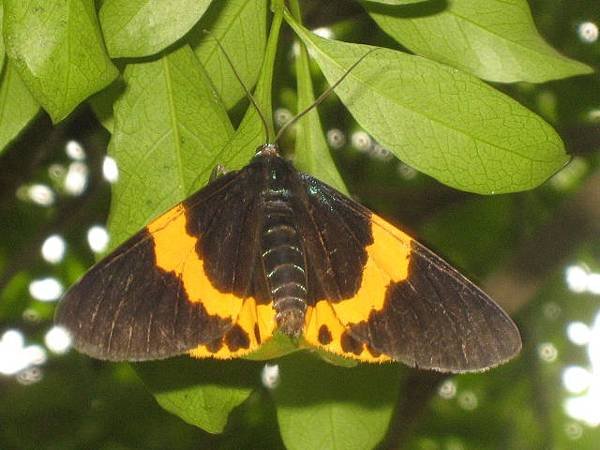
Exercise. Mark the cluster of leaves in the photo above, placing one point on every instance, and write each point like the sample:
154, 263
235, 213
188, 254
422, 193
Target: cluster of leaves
163, 89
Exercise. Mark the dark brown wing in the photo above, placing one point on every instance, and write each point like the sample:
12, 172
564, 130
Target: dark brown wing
178, 284
405, 302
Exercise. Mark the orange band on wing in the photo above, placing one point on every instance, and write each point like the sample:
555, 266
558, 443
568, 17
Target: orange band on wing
328, 323
388, 258
176, 252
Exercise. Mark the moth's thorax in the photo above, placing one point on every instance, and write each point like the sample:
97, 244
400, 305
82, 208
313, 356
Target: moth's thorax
282, 251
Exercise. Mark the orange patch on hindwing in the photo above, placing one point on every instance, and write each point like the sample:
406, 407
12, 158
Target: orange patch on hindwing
323, 329
387, 262
254, 325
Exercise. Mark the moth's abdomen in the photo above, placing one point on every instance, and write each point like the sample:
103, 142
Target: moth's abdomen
283, 260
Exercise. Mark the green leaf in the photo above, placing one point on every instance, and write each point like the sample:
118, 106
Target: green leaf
2, 49
321, 406
168, 125
136, 28
312, 152
58, 51
441, 121
277, 346
201, 392
241, 27
17, 106
493, 39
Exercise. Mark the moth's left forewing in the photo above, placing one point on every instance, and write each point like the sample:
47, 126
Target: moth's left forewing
403, 303
181, 285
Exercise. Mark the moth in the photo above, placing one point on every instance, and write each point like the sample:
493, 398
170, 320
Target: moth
268, 249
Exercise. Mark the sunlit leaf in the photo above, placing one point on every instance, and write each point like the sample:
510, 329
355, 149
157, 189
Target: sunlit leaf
441, 121
2, 52
17, 106
102, 103
57, 49
322, 406
493, 39
251, 132
201, 392
312, 152
396, 2
168, 125
144, 27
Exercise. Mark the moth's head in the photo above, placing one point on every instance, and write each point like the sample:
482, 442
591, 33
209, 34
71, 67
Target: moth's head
267, 150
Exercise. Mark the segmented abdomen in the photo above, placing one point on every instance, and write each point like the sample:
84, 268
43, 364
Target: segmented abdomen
284, 262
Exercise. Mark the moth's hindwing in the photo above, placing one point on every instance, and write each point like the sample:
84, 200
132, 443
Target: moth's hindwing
405, 304
178, 286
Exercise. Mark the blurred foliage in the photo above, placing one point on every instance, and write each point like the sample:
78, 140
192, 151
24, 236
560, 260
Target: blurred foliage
81, 403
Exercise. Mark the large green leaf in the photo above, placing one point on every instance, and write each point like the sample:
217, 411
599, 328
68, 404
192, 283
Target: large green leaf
57, 49
201, 392
322, 406
144, 27
441, 121
241, 27
493, 39
168, 124
17, 106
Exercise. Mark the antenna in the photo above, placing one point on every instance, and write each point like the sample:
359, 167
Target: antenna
321, 97
239, 78
302, 113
